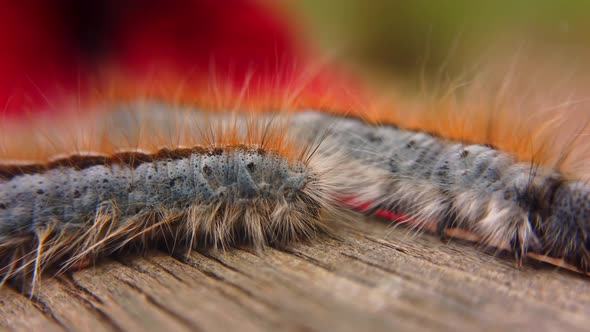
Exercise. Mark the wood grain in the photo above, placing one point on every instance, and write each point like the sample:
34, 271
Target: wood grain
379, 279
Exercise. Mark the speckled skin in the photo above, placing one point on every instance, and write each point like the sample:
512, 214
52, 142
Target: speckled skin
508, 203
72, 196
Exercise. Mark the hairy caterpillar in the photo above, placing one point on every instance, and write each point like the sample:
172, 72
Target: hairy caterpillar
237, 155
443, 184
221, 179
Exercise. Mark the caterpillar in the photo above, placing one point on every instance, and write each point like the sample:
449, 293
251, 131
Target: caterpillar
223, 179
182, 161
443, 184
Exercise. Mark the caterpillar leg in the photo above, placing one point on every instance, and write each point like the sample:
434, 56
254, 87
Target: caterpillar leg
80, 264
445, 224
564, 226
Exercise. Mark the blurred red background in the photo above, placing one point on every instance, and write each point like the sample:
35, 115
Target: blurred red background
55, 49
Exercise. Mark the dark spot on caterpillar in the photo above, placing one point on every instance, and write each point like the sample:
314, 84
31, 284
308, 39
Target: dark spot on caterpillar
393, 165
464, 154
149, 177
410, 144
105, 180
507, 195
77, 194
374, 138
2, 206
172, 182
251, 167
216, 152
40, 192
207, 170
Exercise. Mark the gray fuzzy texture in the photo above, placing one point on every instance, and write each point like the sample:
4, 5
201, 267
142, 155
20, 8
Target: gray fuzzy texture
445, 184
72, 197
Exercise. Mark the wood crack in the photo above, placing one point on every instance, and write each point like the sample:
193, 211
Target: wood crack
159, 306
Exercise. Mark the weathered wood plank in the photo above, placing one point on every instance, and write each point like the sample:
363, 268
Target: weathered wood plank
377, 278
20, 313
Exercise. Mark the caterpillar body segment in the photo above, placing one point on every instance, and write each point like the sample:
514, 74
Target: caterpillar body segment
441, 184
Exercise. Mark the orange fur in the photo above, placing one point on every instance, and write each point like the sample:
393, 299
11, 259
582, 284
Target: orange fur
475, 118
503, 113
42, 139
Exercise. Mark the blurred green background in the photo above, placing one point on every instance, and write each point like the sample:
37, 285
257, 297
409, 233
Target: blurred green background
408, 38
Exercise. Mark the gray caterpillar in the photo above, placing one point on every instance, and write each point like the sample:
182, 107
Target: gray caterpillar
509, 204
81, 208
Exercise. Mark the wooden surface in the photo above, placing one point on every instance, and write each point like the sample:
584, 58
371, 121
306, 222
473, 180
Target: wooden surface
378, 279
